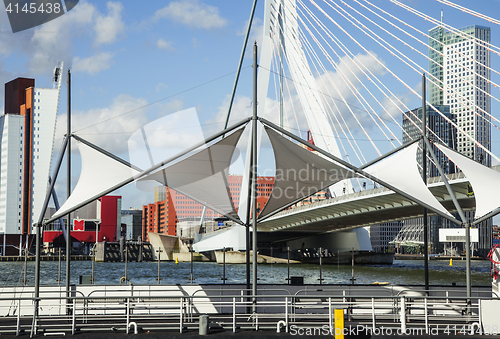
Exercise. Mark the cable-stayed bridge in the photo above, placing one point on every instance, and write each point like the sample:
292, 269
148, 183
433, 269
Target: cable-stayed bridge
364, 208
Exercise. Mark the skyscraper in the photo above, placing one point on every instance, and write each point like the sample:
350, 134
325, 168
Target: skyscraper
439, 129
460, 62
27, 138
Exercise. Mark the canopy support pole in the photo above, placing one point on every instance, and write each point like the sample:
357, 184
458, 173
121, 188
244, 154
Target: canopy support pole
253, 171
39, 227
424, 178
445, 180
468, 267
68, 224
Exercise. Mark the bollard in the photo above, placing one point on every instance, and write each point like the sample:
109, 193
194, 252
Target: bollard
203, 324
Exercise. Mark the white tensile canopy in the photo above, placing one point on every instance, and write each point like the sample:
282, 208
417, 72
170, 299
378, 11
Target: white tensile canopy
99, 172
299, 173
480, 177
204, 175
401, 171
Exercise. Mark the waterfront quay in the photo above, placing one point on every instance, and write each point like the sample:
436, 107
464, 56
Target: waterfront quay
229, 310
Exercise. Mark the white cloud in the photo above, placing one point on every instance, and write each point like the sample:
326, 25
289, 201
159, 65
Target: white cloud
160, 87
47, 44
108, 28
166, 45
93, 64
51, 42
192, 13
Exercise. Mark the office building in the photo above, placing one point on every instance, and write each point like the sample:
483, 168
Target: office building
132, 219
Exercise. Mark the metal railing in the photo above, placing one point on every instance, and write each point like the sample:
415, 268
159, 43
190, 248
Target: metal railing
172, 310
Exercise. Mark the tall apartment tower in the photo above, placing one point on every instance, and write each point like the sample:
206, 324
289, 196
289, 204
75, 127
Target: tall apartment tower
460, 61
27, 132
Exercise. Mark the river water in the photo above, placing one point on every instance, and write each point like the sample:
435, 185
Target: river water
402, 272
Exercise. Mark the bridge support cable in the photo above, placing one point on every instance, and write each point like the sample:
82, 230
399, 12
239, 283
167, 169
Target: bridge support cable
469, 11
374, 58
461, 54
488, 46
301, 76
371, 112
404, 83
436, 81
394, 50
370, 76
354, 62
343, 123
279, 64
339, 93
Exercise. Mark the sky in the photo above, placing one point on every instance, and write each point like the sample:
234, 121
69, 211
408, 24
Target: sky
133, 62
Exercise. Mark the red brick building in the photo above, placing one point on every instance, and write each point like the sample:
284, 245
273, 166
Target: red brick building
171, 206
159, 217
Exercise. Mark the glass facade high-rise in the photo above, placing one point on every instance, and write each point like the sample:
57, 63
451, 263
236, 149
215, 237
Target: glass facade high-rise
458, 87
439, 129
459, 67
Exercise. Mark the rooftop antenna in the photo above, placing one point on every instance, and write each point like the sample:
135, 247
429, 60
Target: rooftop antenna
441, 16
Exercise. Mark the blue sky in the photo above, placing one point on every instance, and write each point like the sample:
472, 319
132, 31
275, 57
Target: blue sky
135, 61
